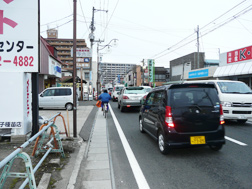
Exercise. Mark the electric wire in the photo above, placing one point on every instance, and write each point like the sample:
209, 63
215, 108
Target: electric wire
110, 17
57, 20
84, 15
207, 32
194, 32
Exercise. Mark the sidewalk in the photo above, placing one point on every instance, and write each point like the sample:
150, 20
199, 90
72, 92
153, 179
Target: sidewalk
96, 168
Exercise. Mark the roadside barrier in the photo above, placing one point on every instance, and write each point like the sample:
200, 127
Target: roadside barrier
39, 147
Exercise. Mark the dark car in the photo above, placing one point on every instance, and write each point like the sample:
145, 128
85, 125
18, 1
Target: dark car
183, 115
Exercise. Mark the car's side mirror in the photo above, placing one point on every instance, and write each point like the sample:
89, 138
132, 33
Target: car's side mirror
41, 94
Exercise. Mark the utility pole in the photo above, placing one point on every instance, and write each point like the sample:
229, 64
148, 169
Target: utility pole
92, 40
198, 47
74, 72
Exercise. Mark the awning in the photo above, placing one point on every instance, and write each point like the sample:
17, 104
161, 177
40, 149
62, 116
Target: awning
235, 69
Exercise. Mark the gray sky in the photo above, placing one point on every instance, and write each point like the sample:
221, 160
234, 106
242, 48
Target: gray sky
162, 29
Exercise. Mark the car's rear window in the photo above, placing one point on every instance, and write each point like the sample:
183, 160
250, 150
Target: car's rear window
118, 88
194, 97
135, 90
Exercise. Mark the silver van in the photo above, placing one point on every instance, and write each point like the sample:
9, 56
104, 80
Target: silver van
57, 97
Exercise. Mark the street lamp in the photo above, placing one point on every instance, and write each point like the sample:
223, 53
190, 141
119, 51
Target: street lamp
99, 49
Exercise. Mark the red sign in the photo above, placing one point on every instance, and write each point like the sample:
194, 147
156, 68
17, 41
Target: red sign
239, 55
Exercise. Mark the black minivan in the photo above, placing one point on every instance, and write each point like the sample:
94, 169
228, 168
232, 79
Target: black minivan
183, 115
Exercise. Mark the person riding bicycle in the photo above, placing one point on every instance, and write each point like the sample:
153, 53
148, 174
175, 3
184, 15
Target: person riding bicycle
105, 97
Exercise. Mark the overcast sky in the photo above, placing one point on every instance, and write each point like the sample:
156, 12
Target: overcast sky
162, 29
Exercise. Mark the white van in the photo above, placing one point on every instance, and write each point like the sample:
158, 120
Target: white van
235, 97
57, 97
116, 90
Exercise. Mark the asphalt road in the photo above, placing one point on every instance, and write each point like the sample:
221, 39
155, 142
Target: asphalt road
231, 167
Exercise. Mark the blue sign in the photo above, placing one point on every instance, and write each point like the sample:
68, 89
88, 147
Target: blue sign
119, 79
86, 59
199, 73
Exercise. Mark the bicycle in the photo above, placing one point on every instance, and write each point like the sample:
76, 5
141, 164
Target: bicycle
105, 109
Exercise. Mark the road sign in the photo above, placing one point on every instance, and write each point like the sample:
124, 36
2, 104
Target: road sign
19, 36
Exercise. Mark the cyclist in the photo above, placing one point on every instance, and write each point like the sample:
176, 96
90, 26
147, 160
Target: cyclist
105, 97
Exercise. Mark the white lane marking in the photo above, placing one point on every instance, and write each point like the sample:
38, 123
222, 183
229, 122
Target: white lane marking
140, 179
235, 141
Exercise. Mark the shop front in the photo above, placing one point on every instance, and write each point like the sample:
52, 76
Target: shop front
236, 65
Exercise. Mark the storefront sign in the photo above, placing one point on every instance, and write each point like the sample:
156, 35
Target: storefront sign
239, 55
82, 52
199, 73
19, 36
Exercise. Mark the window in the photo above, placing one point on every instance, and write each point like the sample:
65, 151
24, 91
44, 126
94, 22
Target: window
87, 76
49, 92
62, 92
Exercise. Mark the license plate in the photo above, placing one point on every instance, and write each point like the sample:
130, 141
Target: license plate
197, 140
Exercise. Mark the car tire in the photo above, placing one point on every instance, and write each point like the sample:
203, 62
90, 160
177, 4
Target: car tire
242, 121
121, 108
141, 125
69, 106
163, 147
118, 105
216, 147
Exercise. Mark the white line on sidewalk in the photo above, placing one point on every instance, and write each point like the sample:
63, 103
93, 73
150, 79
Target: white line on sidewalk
235, 141
140, 179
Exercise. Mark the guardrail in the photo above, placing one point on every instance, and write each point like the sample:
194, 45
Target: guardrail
48, 148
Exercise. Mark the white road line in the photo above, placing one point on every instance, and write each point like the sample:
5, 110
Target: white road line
140, 179
235, 141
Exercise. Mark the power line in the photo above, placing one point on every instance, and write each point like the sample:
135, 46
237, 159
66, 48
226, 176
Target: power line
110, 17
57, 20
229, 20
84, 15
207, 32
59, 25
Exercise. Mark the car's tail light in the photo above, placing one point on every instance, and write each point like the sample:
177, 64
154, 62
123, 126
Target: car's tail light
221, 115
144, 97
125, 97
168, 117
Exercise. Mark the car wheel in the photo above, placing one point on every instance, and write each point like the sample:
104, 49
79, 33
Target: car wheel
121, 108
141, 125
69, 106
242, 121
163, 147
216, 147
118, 105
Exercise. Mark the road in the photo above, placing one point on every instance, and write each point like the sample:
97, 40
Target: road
231, 167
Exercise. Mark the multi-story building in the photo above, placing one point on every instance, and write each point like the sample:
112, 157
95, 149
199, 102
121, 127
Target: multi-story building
110, 71
64, 47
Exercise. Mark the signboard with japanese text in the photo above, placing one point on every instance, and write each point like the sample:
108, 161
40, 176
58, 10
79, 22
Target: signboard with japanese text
54, 68
239, 55
150, 69
19, 36
82, 52
16, 111
197, 74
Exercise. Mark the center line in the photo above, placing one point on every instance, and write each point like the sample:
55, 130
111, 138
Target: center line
139, 176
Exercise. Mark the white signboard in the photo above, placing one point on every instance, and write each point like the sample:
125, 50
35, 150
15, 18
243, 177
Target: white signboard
19, 36
54, 68
82, 52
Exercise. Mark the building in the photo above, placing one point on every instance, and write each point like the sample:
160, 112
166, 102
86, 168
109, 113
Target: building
183, 65
64, 47
113, 72
236, 65
50, 66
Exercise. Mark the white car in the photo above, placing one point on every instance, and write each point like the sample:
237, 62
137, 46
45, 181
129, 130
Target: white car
130, 97
116, 90
57, 97
147, 89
